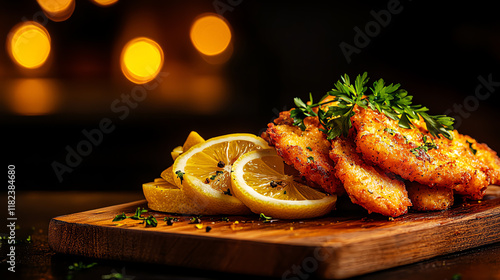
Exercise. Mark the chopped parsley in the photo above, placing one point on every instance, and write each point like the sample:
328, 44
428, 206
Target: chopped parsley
180, 175
265, 218
195, 220
309, 148
138, 213
474, 151
170, 220
310, 159
120, 217
149, 221
228, 192
425, 147
75, 269
390, 131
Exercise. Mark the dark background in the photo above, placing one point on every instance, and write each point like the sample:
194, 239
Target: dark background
282, 49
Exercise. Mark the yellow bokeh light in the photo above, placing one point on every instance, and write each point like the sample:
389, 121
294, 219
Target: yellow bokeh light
28, 45
210, 34
141, 60
105, 2
57, 10
31, 97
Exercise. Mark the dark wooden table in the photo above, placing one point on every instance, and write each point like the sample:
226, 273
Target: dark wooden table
35, 260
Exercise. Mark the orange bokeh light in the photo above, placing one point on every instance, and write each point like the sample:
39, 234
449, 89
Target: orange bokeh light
210, 34
31, 97
28, 45
57, 10
104, 2
141, 60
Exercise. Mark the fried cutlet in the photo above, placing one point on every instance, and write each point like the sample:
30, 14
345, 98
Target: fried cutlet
307, 151
425, 198
367, 185
415, 155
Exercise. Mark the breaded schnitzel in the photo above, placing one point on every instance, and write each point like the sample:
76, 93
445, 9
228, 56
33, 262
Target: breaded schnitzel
425, 198
367, 185
307, 151
415, 155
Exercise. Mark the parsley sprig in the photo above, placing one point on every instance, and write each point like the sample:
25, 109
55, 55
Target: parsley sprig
149, 221
390, 99
425, 147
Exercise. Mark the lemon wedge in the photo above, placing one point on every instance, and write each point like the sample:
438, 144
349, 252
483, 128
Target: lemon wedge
166, 197
192, 139
259, 181
204, 171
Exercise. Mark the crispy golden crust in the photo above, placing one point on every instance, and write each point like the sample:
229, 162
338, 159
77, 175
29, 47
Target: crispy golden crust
307, 151
384, 143
466, 146
367, 185
425, 198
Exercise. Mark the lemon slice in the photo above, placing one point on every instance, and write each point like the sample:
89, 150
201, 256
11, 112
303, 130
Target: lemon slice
203, 172
166, 197
192, 139
159, 180
259, 181
167, 175
176, 152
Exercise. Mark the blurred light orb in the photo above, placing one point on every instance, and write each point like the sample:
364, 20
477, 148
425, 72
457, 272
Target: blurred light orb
141, 60
210, 34
104, 2
57, 10
33, 97
28, 44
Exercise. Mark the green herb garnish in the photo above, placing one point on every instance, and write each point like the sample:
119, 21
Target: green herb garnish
425, 147
195, 220
390, 131
391, 100
120, 217
170, 220
265, 218
149, 221
474, 151
309, 148
180, 175
310, 159
138, 213
80, 266
114, 275
75, 268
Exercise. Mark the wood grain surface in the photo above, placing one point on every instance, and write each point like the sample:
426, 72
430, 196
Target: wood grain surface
344, 244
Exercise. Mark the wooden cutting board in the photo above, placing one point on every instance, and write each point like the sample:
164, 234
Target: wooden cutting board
337, 246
